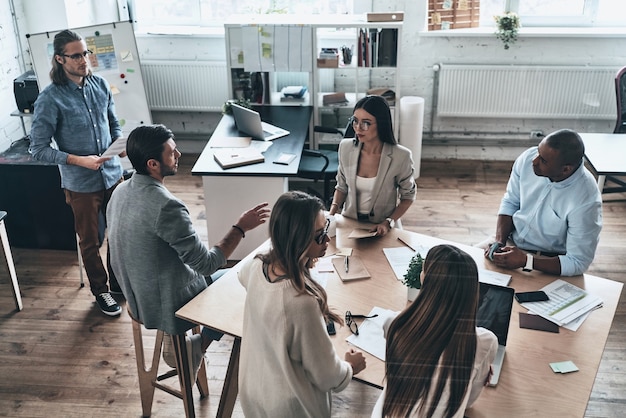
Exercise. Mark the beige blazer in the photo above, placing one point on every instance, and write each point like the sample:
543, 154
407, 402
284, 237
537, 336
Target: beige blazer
394, 180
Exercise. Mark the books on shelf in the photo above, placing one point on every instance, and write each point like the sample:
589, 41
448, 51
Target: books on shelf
377, 47
293, 94
334, 99
237, 157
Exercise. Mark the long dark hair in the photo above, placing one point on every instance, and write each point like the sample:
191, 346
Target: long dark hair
292, 229
377, 106
57, 73
432, 343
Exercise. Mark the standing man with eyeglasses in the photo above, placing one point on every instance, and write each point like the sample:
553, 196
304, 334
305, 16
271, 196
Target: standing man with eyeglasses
78, 112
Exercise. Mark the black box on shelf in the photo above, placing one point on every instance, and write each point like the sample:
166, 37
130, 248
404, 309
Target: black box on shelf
26, 91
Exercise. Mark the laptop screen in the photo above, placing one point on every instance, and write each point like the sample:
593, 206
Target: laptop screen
494, 309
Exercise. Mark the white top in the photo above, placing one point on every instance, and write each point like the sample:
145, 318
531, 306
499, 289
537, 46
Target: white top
486, 348
364, 193
288, 366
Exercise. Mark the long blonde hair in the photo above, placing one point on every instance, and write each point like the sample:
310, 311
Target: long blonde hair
432, 343
292, 229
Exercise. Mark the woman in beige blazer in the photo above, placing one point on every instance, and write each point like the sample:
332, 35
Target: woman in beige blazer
375, 176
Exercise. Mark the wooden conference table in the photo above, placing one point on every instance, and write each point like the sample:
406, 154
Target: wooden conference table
527, 385
228, 193
605, 154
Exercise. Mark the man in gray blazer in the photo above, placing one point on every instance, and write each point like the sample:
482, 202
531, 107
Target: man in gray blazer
156, 254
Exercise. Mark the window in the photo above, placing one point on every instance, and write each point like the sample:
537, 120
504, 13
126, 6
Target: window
456, 14
215, 12
556, 12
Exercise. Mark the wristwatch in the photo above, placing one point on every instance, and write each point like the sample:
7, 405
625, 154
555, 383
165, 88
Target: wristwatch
391, 222
529, 263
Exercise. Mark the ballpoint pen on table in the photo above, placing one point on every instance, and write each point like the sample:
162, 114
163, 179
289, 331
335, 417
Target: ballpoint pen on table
347, 264
407, 244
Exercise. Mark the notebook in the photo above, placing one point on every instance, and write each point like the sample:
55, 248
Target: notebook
494, 313
236, 157
249, 122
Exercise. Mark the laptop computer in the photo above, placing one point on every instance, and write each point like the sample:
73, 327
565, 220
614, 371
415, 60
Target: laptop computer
249, 122
494, 313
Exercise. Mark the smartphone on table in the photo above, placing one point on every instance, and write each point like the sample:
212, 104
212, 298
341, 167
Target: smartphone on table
537, 296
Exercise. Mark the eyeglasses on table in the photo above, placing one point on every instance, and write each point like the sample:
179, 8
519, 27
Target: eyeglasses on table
352, 325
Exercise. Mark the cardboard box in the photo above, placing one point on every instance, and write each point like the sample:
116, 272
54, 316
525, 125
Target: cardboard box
385, 17
328, 62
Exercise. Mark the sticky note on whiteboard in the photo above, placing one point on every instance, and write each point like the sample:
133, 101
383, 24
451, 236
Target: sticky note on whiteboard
126, 56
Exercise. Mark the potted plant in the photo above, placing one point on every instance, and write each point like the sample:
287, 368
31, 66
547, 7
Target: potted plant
412, 277
507, 25
241, 102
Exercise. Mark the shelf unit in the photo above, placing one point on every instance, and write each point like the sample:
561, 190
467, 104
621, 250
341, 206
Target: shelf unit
263, 40
355, 79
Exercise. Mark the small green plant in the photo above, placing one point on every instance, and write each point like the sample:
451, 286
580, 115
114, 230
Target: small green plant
412, 276
507, 25
226, 109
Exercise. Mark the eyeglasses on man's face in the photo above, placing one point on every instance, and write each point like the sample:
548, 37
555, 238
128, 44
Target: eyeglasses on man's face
321, 237
354, 328
79, 56
363, 125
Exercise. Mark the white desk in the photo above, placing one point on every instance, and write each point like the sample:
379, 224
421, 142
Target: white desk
228, 193
606, 154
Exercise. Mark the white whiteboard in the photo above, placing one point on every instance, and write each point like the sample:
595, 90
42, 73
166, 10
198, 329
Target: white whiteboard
114, 58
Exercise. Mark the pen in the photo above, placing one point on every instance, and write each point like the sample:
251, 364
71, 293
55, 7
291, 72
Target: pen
407, 244
347, 264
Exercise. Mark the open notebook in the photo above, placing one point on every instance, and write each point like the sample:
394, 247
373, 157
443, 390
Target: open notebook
249, 122
494, 313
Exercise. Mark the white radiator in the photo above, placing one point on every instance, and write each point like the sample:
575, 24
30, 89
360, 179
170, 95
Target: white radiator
526, 91
185, 85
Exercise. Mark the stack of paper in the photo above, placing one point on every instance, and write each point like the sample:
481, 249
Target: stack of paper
567, 303
400, 257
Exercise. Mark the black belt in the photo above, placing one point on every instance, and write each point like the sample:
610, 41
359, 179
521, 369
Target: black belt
544, 253
362, 217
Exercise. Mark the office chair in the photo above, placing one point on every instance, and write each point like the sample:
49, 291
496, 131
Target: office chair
620, 127
322, 164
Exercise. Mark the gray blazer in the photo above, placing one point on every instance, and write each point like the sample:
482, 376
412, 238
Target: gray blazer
394, 180
156, 255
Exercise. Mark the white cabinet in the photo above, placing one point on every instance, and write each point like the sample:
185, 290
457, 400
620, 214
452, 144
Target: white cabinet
268, 52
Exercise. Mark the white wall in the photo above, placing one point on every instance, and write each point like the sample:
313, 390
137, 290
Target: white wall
10, 128
419, 52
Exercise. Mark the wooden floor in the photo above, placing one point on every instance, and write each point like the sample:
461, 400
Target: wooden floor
61, 357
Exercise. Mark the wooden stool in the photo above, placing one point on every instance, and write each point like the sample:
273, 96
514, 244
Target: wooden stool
9, 257
149, 379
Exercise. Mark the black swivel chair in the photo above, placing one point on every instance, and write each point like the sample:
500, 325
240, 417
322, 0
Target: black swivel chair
322, 164
620, 125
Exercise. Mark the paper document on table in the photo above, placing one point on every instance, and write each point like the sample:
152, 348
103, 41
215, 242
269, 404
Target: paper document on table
231, 142
116, 148
362, 233
567, 302
493, 277
371, 336
400, 257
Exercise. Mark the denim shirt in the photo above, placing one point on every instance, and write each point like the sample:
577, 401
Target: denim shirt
82, 122
563, 217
